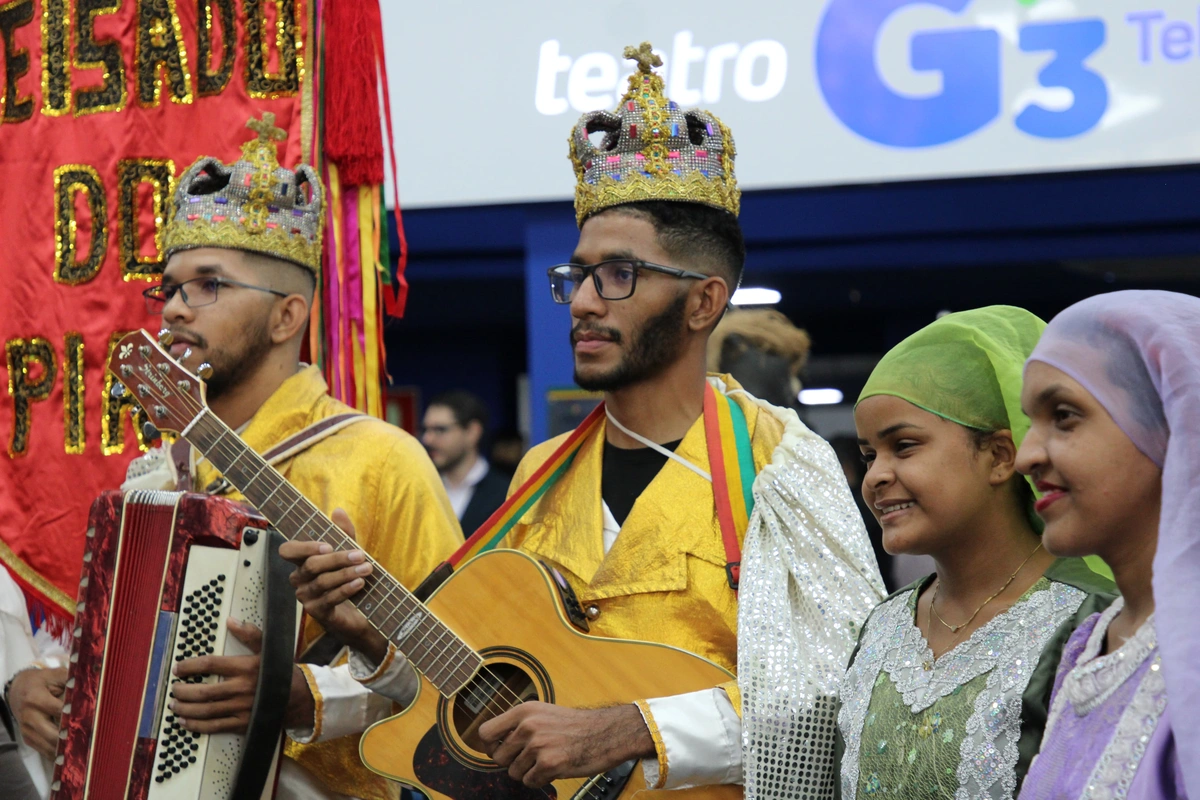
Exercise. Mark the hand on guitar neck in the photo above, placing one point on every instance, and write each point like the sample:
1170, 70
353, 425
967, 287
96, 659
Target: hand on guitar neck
325, 579
224, 707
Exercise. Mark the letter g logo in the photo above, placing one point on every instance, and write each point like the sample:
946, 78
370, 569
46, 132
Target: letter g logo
968, 58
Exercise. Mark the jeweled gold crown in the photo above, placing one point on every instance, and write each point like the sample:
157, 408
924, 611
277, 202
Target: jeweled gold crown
253, 205
652, 150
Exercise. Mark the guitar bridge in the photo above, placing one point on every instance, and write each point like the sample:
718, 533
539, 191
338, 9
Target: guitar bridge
607, 786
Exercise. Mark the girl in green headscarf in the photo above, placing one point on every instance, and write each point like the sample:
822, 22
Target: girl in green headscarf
947, 692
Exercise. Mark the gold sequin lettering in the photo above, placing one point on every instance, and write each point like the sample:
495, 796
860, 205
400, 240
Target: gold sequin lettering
160, 48
31, 371
112, 431
284, 82
111, 94
16, 61
73, 411
56, 77
70, 180
131, 174
208, 82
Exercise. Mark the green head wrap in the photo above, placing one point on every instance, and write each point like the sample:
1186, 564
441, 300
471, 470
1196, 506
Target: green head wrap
966, 368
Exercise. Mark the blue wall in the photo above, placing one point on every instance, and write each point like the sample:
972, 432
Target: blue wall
860, 266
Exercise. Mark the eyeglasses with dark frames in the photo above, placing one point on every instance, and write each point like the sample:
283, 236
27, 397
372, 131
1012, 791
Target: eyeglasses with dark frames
614, 280
196, 292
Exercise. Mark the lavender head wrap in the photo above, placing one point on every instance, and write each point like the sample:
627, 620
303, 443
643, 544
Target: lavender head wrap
1138, 353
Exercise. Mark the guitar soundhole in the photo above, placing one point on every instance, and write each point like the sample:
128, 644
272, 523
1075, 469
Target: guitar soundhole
498, 687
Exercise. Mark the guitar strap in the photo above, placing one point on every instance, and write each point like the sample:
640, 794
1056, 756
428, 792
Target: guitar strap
181, 451
731, 464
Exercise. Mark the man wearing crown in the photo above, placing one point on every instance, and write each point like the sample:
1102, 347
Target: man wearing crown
244, 249
693, 514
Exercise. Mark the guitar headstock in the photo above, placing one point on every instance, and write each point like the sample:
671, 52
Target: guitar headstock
171, 396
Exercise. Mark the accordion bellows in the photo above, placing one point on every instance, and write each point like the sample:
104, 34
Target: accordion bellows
163, 572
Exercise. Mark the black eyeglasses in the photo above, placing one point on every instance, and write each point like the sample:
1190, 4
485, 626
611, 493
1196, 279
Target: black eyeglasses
199, 292
614, 280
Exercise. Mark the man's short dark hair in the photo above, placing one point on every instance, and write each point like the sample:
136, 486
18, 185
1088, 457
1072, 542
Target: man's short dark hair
308, 279
465, 406
699, 235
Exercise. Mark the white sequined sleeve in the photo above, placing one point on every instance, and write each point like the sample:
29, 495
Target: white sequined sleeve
809, 579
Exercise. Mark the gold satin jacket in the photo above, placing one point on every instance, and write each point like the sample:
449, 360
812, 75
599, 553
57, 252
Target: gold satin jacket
664, 579
384, 480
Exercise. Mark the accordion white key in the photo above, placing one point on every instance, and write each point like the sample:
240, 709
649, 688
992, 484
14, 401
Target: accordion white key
163, 573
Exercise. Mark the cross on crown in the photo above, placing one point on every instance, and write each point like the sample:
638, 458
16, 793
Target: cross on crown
644, 55
266, 130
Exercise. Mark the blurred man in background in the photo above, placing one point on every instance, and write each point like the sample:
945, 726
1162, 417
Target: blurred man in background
763, 351
454, 428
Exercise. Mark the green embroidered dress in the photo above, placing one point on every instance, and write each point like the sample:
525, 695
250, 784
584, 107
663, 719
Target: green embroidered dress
965, 725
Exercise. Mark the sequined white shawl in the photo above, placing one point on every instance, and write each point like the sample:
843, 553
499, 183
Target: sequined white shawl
808, 580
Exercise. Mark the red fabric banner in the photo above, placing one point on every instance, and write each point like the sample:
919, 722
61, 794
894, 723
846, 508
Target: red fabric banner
104, 103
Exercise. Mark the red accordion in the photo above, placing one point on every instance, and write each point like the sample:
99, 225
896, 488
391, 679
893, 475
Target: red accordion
163, 572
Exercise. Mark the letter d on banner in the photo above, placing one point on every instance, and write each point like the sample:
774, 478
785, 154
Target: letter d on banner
847, 70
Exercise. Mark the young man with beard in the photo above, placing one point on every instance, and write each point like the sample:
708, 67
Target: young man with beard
634, 524
237, 297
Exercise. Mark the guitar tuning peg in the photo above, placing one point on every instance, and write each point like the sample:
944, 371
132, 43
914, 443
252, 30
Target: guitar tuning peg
186, 354
117, 391
149, 432
165, 337
205, 370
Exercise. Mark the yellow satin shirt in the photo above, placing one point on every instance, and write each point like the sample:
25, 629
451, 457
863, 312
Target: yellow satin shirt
384, 480
664, 579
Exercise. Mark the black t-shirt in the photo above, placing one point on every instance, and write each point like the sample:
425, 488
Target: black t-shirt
627, 473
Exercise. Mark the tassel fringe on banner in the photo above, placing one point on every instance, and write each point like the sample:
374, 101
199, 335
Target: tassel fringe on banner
358, 285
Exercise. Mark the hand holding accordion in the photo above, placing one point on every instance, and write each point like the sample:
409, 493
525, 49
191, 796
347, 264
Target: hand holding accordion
163, 573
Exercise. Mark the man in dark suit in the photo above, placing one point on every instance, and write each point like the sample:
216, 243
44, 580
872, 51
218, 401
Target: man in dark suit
455, 424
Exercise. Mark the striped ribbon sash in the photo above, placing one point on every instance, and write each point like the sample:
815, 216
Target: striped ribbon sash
730, 459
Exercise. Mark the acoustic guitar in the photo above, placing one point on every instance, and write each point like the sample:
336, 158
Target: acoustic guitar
502, 630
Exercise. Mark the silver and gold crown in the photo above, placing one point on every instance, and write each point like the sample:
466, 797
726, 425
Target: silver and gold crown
254, 204
652, 150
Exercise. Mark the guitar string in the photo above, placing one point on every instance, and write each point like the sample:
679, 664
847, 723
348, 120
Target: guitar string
483, 700
474, 691
231, 449
477, 694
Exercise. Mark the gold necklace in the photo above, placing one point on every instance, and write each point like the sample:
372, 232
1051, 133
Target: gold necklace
1007, 583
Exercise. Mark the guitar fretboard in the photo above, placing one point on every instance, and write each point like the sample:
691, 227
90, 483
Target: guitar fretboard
431, 647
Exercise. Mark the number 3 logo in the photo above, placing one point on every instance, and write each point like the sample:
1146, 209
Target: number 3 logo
968, 59
1073, 42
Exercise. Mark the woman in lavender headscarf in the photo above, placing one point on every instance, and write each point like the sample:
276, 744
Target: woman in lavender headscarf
1113, 390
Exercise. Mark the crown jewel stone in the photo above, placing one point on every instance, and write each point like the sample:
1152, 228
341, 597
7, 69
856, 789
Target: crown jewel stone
253, 205
652, 150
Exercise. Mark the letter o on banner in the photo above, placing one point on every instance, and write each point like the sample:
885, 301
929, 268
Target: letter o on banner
743, 70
